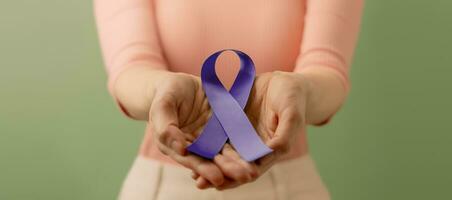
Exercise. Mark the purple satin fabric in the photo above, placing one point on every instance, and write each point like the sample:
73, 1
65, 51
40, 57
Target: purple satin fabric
229, 121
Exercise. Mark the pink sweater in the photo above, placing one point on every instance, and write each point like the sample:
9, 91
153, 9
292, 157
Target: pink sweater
177, 35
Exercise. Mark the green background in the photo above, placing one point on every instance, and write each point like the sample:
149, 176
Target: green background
61, 136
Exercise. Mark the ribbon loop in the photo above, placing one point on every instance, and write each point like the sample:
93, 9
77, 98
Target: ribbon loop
229, 121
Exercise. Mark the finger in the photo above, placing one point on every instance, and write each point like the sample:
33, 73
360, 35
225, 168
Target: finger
202, 183
194, 175
266, 162
204, 168
232, 169
230, 158
163, 112
171, 139
201, 166
251, 167
164, 120
228, 184
289, 125
194, 128
189, 137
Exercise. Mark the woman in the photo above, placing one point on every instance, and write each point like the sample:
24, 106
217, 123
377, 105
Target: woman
153, 51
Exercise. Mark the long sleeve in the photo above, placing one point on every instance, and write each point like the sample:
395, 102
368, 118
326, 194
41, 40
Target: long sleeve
128, 36
330, 34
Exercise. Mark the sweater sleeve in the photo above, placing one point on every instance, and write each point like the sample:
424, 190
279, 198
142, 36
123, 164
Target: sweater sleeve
330, 33
128, 37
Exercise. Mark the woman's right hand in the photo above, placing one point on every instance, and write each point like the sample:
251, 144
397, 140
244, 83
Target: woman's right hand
177, 110
177, 114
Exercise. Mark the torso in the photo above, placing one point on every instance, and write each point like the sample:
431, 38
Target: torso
271, 33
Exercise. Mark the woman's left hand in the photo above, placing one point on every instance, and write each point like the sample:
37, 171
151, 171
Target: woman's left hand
277, 110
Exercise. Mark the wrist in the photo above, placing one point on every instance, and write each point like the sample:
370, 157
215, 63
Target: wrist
324, 96
134, 88
308, 90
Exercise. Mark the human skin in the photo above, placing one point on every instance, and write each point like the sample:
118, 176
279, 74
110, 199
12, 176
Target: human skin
146, 44
280, 105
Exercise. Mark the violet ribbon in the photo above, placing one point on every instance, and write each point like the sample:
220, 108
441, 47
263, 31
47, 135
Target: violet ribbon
229, 121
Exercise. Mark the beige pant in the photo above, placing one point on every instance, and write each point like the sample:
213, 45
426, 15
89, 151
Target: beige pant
295, 179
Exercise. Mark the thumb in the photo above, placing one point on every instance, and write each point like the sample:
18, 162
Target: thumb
163, 117
289, 124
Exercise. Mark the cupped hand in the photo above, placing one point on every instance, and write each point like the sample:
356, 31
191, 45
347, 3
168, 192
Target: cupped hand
178, 113
276, 109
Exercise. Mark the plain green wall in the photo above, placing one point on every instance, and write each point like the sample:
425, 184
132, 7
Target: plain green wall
61, 136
